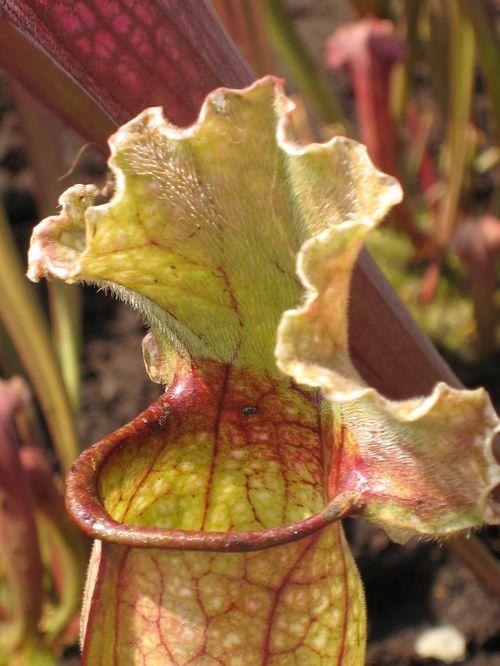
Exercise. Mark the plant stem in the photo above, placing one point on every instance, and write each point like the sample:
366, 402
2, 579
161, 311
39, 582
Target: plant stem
10, 363
26, 325
65, 314
60, 538
460, 81
473, 554
18, 530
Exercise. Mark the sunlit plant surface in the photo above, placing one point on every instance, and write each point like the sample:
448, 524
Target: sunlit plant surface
217, 509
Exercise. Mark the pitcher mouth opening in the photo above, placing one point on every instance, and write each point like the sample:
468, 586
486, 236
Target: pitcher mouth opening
87, 510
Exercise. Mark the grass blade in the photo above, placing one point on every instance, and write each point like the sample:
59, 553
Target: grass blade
22, 317
460, 82
480, 13
45, 153
299, 63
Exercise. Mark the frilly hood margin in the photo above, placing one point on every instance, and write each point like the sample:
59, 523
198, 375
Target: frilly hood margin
205, 235
418, 466
432, 442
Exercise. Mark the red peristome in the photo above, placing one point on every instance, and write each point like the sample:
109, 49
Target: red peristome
177, 606
193, 398
129, 55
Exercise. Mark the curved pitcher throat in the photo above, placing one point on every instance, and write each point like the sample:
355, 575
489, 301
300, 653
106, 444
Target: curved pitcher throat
238, 449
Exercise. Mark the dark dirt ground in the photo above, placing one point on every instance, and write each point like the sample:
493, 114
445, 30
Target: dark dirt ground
409, 588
